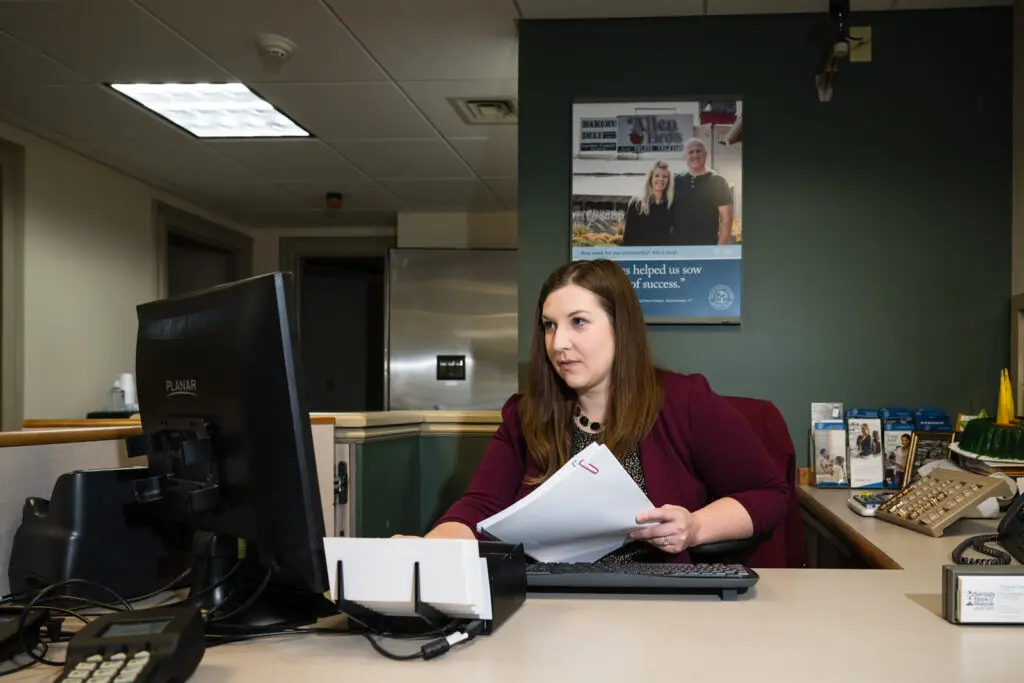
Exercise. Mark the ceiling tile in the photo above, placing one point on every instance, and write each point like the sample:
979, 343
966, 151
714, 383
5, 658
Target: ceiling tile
495, 157
289, 159
249, 196
432, 99
23, 64
444, 195
357, 195
349, 111
226, 30
93, 114
404, 159
505, 189
439, 39
323, 218
185, 162
572, 9
107, 41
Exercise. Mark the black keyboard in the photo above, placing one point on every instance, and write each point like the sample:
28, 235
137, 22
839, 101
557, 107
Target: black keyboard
640, 577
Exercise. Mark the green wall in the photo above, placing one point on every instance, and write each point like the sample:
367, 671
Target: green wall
876, 227
405, 484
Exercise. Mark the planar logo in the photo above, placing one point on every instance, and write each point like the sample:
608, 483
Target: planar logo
181, 387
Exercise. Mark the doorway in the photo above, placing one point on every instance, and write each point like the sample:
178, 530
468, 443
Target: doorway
197, 254
342, 332
12, 284
193, 265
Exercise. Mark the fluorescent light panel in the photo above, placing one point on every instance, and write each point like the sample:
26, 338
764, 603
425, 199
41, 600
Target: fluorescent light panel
213, 110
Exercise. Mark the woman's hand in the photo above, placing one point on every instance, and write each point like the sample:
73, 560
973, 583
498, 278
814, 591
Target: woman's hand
675, 532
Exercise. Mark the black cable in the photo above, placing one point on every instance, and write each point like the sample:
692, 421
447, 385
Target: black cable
85, 582
206, 591
88, 602
435, 648
216, 639
30, 663
34, 603
12, 598
245, 605
170, 586
391, 655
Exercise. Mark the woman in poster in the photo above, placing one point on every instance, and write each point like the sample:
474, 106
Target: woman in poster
649, 213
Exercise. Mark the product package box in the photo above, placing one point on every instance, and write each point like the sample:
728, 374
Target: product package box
897, 437
864, 445
825, 410
830, 461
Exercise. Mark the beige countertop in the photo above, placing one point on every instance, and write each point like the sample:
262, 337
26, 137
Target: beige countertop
796, 625
397, 418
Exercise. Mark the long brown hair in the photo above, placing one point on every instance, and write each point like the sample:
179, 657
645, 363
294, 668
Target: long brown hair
546, 411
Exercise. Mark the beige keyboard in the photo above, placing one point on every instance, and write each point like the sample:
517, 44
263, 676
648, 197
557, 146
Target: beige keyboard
935, 501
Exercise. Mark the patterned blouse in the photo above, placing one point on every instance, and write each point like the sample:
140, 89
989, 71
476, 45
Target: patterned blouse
635, 551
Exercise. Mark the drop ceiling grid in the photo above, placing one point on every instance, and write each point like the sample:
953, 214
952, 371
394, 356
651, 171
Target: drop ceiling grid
370, 79
332, 87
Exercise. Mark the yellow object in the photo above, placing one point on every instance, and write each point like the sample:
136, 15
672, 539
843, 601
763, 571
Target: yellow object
1004, 409
860, 43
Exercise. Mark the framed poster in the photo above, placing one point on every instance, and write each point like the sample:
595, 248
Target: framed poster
657, 188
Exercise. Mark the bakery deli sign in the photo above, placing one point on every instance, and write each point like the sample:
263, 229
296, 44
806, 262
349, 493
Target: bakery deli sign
636, 134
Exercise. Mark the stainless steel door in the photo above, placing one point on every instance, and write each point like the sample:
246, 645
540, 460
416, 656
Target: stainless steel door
454, 303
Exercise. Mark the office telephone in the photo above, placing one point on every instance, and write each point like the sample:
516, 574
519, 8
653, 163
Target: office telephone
1009, 535
156, 645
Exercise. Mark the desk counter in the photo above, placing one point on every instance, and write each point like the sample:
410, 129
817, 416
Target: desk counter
834, 625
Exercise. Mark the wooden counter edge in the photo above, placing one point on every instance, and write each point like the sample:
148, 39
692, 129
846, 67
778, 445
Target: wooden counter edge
127, 422
868, 551
46, 437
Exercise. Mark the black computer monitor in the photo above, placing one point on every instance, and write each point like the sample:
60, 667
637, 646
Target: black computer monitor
230, 450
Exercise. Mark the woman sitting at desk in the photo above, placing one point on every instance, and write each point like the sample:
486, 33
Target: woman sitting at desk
592, 377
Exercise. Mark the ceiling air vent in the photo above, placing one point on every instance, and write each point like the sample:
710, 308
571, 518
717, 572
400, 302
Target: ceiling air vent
485, 111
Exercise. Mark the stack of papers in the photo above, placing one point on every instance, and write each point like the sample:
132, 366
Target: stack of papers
378, 573
584, 511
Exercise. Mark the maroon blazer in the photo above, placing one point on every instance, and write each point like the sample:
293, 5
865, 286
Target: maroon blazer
699, 449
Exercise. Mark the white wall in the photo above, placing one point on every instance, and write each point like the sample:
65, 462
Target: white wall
494, 230
90, 256
1017, 280
266, 243
437, 230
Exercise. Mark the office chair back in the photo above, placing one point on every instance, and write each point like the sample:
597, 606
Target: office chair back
785, 546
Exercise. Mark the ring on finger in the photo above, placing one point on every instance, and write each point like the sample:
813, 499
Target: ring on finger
666, 540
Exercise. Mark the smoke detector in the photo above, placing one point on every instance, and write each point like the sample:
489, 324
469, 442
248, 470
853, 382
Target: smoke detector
274, 50
486, 111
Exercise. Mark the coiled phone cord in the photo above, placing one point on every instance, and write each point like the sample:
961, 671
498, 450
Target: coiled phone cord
978, 544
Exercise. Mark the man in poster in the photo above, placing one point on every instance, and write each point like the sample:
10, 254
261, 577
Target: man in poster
702, 207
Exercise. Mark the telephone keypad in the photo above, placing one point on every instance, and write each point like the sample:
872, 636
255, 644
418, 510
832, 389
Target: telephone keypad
117, 668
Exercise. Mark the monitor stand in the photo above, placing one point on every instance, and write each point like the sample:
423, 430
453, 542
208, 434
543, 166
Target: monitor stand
242, 594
